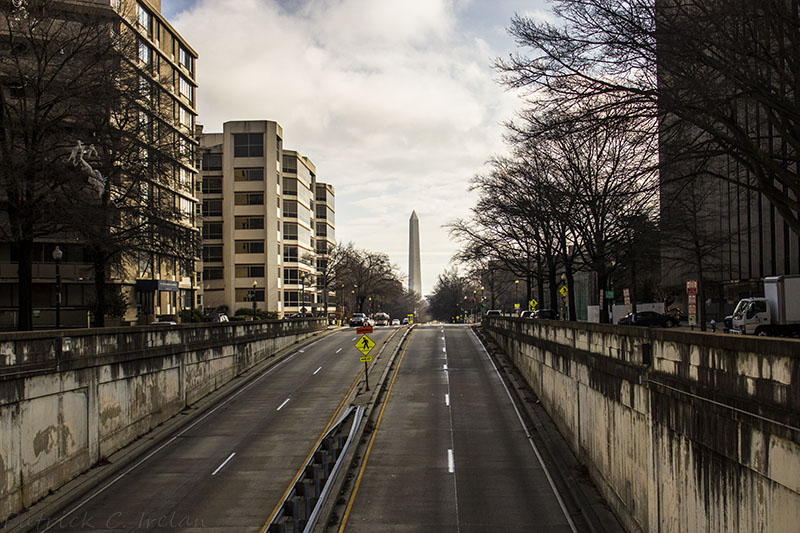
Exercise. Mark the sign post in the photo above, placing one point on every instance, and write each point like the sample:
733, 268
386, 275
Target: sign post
691, 291
365, 345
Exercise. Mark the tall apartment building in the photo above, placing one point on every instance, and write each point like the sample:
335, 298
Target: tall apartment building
260, 226
153, 283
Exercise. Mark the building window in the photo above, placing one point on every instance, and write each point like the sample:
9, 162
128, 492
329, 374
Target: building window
185, 58
212, 208
144, 53
185, 117
185, 177
322, 229
248, 145
212, 161
212, 185
249, 271
291, 276
145, 19
249, 223
290, 254
290, 208
249, 247
212, 230
290, 231
212, 254
248, 174
249, 198
291, 298
290, 186
290, 164
185, 88
210, 273
243, 295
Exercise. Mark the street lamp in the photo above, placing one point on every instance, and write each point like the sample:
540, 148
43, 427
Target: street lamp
516, 294
253, 298
57, 255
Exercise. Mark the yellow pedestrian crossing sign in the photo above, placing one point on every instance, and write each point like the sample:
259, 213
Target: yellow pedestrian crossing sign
533, 303
365, 344
563, 290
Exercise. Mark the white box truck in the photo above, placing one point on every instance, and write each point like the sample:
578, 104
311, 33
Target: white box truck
777, 313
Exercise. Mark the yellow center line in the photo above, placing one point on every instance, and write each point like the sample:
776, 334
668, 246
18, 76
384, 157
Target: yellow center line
372, 440
314, 448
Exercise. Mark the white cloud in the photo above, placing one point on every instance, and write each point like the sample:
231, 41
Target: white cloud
394, 102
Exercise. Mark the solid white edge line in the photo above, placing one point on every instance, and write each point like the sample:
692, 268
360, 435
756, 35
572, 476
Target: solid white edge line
530, 438
317, 370
339, 350
451, 462
447, 400
170, 441
214, 473
283, 404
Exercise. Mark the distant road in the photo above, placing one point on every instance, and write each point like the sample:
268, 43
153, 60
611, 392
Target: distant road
450, 453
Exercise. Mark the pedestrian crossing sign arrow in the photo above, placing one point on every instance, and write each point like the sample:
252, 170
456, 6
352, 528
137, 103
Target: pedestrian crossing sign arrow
365, 344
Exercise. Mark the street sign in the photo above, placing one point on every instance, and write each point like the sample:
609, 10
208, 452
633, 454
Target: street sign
533, 303
516, 306
692, 320
691, 286
365, 359
365, 345
563, 290
364, 329
609, 295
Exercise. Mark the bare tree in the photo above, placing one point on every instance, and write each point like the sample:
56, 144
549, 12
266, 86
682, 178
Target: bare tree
53, 66
99, 136
725, 69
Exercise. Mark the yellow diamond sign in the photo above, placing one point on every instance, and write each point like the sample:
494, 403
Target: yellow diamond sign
365, 344
563, 290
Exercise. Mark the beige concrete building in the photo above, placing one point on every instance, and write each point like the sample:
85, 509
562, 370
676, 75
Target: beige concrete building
259, 221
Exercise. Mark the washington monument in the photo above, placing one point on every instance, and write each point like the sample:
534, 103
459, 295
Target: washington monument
414, 273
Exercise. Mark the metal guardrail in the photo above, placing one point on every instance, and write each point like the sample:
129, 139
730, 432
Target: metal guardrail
299, 510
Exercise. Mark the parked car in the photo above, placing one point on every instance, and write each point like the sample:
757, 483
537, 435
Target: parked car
527, 314
395, 321
546, 314
647, 318
358, 320
382, 319
217, 317
493, 312
405, 321
164, 323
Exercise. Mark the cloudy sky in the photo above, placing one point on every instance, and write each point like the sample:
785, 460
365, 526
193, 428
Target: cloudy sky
395, 101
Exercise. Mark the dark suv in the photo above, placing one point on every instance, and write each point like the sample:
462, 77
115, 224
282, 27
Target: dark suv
358, 320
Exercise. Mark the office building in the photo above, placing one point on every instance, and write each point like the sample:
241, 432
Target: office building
261, 221
150, 280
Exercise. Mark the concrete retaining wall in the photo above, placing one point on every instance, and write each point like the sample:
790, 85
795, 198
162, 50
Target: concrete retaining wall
681, 431
67, 402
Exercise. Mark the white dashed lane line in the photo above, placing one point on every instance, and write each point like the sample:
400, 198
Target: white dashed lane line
214, 473
317, 370
281, 406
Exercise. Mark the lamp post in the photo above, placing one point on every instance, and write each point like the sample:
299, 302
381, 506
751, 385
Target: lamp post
482, 298
253, 298
516, 294
464, 310
564, 299
57, 255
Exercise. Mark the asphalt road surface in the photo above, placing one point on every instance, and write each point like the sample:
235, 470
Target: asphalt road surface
228, 470
449, 452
